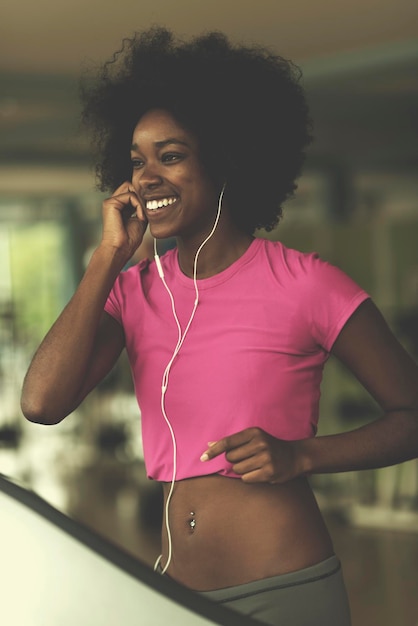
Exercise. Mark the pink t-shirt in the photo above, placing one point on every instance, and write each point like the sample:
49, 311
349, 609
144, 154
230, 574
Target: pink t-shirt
253, 356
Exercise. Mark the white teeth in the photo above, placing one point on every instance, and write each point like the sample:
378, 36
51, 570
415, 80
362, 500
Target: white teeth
152, 205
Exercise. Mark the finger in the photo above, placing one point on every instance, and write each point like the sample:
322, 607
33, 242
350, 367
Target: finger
209, 454
137, 206
227, 443
126, 197
121, 200
255, 476
128, 203
247, 466
124, 187
138, 213
217, 448
240, 453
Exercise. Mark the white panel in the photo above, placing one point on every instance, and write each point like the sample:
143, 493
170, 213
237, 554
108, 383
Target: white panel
49, 577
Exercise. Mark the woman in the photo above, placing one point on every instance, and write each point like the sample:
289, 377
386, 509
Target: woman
227, 335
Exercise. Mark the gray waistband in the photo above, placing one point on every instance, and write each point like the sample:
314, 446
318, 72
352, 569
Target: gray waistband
303, 576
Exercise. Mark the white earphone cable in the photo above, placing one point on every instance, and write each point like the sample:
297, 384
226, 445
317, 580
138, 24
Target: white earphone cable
180, 340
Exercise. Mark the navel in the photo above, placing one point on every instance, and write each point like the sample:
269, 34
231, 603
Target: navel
192, 521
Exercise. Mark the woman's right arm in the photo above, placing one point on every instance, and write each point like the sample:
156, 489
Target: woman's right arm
84, 343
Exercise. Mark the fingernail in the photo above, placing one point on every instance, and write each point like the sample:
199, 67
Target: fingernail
204, 457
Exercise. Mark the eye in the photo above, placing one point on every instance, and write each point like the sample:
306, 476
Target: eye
172, 157
137, 164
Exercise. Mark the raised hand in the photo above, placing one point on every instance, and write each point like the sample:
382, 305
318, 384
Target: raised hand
124, 221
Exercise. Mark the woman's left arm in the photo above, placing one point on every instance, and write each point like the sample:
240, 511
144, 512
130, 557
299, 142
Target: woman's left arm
373, 354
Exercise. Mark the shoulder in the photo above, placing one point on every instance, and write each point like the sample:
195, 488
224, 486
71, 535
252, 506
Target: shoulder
303, 267
139, 278
131, 272
297, 266
142, 269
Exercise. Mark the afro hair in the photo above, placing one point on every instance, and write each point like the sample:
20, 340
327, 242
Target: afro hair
244, 104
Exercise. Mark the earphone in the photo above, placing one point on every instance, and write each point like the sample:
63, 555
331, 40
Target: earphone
165, 378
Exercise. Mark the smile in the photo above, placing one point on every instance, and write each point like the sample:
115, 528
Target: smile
153, 205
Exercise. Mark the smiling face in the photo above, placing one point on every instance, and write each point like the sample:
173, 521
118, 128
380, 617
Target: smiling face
176, 193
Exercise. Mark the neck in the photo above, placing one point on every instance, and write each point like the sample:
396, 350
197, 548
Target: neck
225, 247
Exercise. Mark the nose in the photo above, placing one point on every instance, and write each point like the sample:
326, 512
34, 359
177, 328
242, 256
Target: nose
150, 176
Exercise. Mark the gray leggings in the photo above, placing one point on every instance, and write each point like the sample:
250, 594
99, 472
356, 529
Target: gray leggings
314, 596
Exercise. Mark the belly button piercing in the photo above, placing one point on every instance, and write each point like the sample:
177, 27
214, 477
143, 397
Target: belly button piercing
192, 522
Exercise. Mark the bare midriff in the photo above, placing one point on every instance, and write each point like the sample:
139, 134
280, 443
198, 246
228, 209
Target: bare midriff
226, 532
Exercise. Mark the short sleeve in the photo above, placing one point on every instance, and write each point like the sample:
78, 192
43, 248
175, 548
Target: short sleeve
112, 305
330, 298
125, 293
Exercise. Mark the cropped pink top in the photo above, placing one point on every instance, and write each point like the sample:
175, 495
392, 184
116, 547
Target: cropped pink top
253, 356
